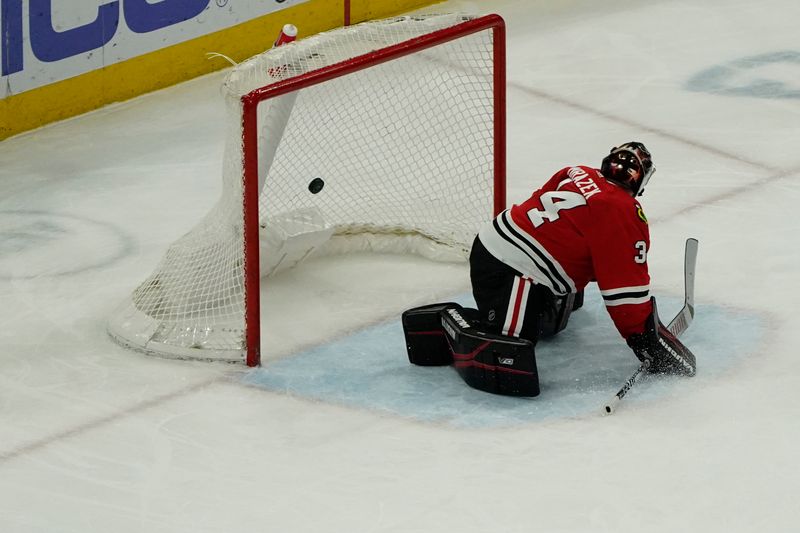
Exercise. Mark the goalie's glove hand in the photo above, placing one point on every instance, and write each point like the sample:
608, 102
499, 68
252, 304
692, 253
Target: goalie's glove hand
660, 350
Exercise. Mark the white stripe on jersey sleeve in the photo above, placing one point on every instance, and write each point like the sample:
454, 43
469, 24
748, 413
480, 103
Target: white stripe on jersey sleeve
636, 294
632, 300
636, 288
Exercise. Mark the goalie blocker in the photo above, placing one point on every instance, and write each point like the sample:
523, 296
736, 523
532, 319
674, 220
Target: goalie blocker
446, 333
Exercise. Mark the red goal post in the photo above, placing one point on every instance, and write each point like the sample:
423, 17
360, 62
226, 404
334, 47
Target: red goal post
424, 160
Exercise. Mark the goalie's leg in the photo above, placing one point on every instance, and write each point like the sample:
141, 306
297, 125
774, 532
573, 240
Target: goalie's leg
512, 304
499, 364
446, 333
425, 340
502, 295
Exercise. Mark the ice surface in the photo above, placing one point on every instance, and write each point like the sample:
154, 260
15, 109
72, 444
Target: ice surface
579, 370
337, 433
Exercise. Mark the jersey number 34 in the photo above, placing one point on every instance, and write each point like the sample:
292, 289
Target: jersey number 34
552, 203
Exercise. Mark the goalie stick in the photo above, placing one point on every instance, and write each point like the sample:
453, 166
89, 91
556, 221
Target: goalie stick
677, 325
683, 319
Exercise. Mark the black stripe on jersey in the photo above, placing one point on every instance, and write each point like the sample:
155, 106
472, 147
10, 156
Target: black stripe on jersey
502, 234
552, 270
623, 295
549, 270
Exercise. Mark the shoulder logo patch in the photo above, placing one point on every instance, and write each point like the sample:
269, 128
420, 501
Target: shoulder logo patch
640, 212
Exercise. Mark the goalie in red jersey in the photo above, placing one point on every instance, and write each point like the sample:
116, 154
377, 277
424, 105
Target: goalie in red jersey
529, 267
530, 264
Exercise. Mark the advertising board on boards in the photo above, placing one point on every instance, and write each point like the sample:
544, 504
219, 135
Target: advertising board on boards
46, 41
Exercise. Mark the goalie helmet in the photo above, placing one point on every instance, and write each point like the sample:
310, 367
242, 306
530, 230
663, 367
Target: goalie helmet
629, 165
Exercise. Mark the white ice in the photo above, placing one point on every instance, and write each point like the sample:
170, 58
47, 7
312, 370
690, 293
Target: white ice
95, 438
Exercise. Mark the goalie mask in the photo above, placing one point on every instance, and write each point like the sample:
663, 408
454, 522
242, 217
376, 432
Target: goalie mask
629, 165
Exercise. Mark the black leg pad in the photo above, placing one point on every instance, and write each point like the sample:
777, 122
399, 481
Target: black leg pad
555, 319
578, 302
425, 340
498, 364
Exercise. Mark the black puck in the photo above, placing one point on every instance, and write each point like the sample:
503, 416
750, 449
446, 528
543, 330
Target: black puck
316, 185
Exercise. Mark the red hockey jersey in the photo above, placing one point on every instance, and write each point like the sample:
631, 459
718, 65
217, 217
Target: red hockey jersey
578, 228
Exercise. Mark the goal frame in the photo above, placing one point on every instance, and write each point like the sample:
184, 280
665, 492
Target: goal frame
250, 102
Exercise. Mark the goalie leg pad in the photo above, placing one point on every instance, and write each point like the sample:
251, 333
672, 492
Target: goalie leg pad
578, 302
556, 311
425, 339
498, 364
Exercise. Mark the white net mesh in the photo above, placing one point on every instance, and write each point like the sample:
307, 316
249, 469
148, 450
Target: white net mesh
405, 149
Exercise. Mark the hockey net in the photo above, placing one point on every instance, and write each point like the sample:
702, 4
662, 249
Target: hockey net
400, 121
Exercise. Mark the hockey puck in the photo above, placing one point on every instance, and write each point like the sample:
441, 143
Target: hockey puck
316, 185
